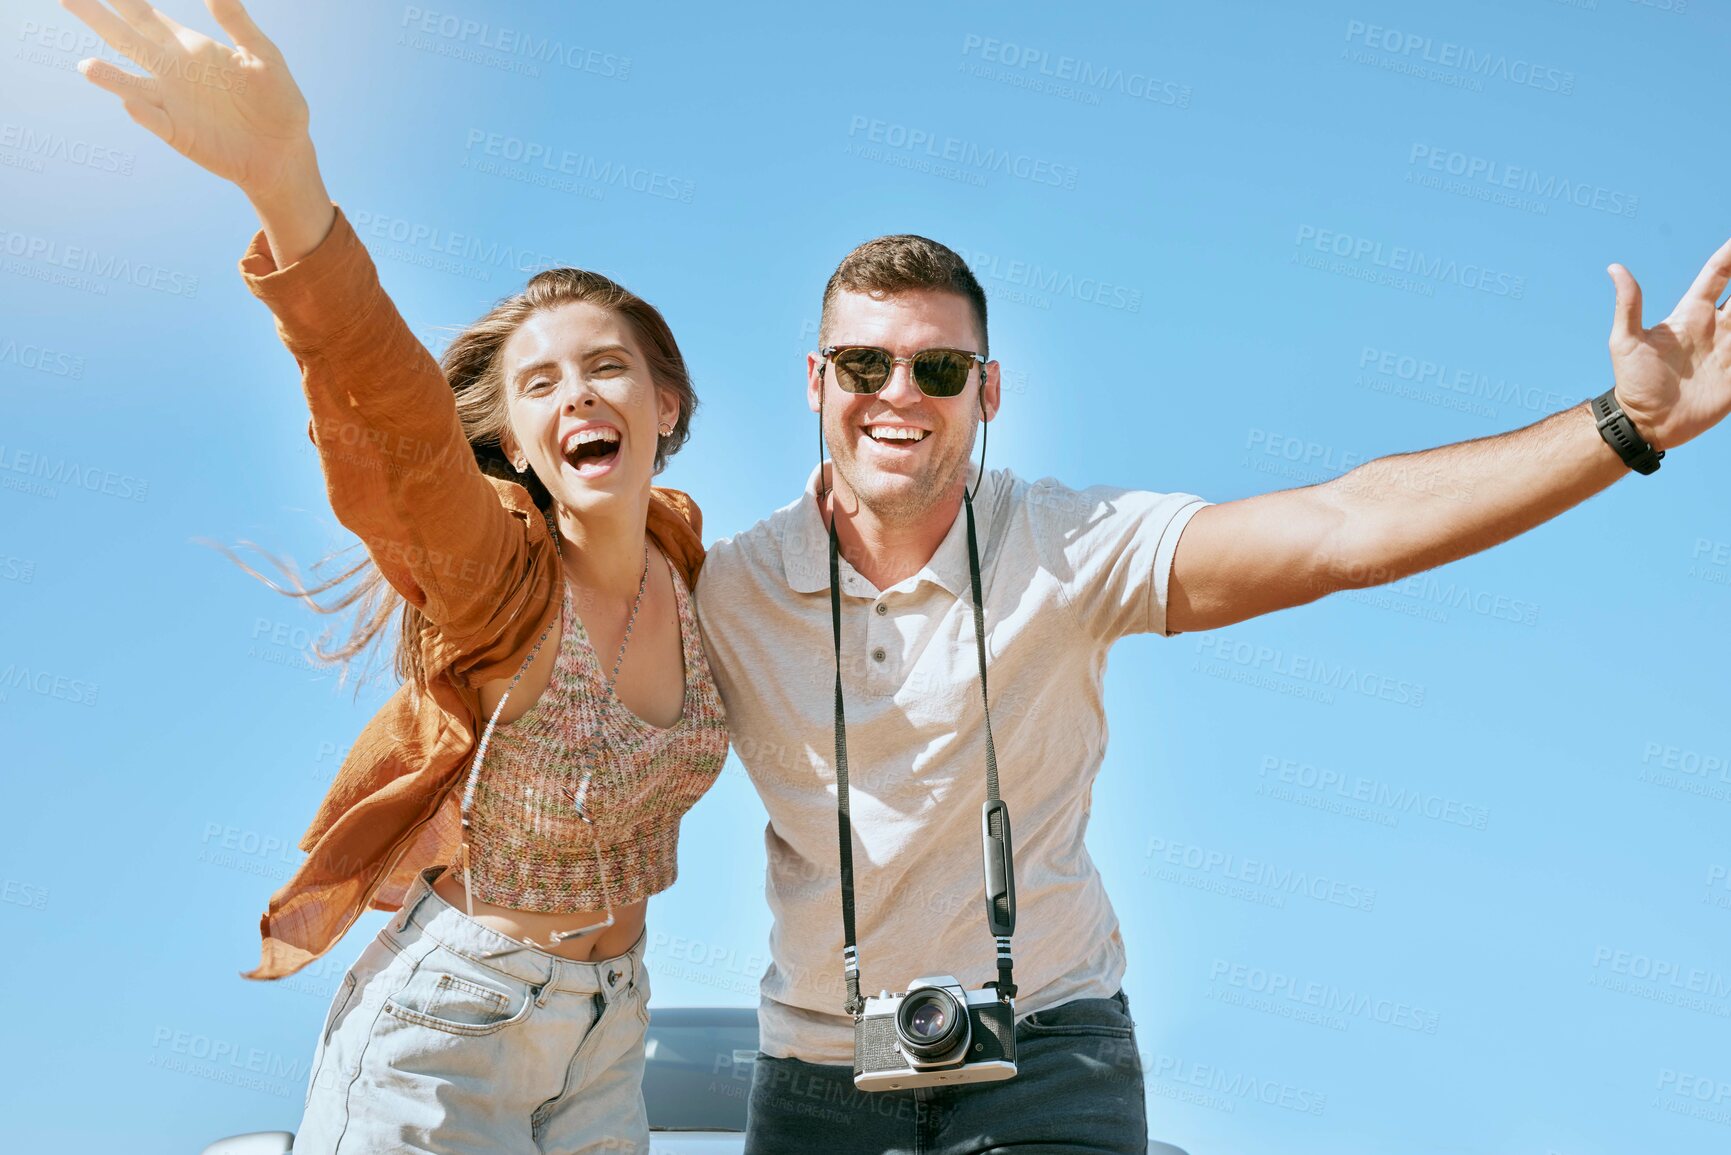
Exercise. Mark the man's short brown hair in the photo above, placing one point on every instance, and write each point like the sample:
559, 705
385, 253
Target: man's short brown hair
904, 263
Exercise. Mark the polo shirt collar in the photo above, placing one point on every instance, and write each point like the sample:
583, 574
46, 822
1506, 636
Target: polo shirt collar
805, 551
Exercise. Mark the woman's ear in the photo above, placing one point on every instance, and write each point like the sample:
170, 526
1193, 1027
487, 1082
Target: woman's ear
513, 455
667, 402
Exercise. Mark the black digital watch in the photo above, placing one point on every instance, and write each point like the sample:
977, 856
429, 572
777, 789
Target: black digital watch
1620, 434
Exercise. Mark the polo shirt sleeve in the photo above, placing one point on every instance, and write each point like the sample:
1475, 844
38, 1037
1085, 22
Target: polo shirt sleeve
1111, 552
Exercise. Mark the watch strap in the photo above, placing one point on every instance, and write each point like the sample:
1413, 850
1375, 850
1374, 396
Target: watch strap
1620, 434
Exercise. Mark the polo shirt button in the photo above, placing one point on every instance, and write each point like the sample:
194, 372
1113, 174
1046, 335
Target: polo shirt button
878, 654
882, 609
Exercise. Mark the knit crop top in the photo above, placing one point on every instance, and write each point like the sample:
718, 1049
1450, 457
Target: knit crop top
528, 847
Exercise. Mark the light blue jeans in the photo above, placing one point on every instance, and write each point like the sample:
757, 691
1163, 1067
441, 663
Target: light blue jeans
435, 1043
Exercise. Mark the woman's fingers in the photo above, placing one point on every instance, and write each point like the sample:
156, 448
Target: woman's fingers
147, 21
234, 19
141, 96
151, 116
126, 85
115, 32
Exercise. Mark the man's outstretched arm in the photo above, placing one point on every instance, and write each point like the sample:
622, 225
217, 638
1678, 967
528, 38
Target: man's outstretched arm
1399, 515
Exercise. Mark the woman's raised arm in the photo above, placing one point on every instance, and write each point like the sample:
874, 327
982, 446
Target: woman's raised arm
398, 468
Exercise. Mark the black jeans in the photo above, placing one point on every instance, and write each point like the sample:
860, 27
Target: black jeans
1078, 1088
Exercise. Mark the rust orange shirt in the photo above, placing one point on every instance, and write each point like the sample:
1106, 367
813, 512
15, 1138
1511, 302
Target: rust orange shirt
469, 551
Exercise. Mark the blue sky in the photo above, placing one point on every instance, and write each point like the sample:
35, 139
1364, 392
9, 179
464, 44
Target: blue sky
1229, 248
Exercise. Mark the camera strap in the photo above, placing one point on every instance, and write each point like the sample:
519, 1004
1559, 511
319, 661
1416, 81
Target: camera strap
1000, 898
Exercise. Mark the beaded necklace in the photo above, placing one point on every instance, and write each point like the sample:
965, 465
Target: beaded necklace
577, 796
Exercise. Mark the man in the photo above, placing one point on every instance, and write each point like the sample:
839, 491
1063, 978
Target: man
1064, 574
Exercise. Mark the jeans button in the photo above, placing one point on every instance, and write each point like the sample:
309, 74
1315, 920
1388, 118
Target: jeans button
612, 977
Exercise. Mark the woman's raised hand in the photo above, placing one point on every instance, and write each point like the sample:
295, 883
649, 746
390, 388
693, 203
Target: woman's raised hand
235, 111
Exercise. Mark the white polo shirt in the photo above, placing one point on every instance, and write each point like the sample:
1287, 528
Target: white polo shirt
1064, 573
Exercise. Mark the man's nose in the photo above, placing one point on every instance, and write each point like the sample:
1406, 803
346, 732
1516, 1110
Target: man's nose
901, 388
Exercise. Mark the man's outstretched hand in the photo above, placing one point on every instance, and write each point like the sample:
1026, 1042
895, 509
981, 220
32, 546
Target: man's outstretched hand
1674, 380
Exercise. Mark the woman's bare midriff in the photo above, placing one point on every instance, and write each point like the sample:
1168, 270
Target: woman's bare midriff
521, 924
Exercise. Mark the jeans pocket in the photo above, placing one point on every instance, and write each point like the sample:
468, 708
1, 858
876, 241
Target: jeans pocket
463, 1001
1108, 1018
451, 994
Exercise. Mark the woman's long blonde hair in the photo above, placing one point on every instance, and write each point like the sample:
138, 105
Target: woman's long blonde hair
471, 364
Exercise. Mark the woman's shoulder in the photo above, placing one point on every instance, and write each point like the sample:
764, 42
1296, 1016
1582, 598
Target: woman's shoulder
676, 524
683, 504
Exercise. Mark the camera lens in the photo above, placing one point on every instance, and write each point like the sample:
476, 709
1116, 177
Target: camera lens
930, 1023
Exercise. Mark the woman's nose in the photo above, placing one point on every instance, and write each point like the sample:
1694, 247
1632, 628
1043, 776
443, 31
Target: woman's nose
581, 393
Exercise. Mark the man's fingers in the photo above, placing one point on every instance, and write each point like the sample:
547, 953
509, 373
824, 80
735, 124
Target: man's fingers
115, 32
1626, 318
126, 85
232, 17
1711, 281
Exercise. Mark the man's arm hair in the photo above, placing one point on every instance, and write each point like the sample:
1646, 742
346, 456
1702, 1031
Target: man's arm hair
1383, 521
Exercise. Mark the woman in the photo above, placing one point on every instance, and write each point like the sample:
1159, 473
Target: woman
544, 583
